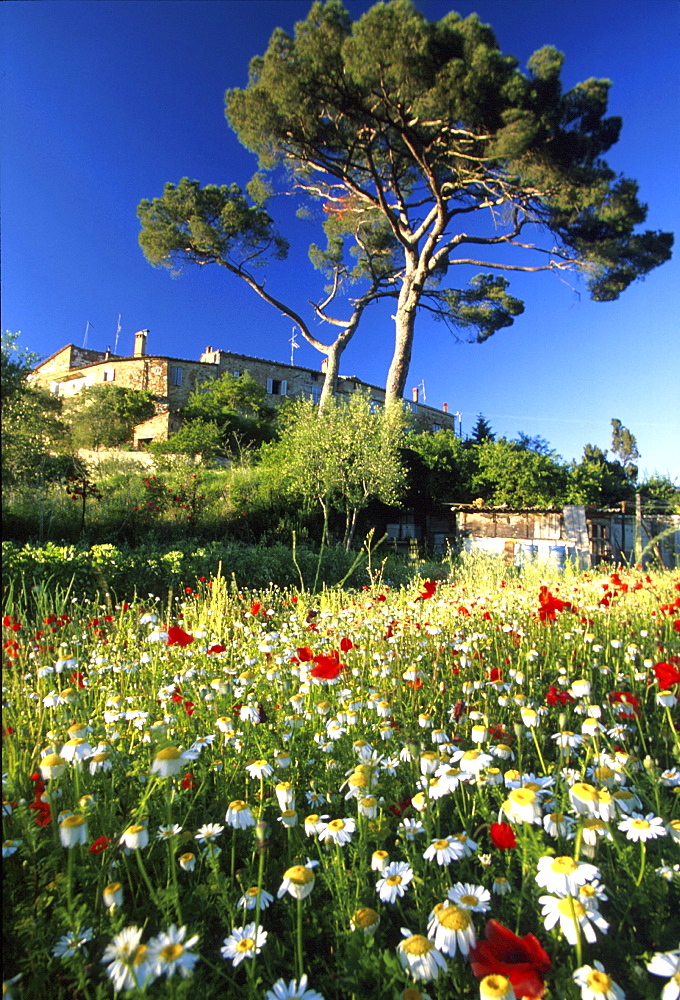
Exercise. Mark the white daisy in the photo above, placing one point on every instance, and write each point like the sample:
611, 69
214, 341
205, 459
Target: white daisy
209, 831
395, 881
563, 875
73, 942
339, 831
249, 899
244, 942
451, 929
444, 851
298, 881
419, 956
643, 828
293, 991
470, 897
169, 953
667, 964
239, 815
127, 962
568, 912
596, 984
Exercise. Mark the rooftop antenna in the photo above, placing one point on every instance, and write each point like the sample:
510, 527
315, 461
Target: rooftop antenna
423, 385
118, 328
293, 345
87, 327
459, 417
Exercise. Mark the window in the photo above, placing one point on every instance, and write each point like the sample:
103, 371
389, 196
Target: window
109, 374
176, 376
436, 427
54, 388
236, 374
277, 387
316, 394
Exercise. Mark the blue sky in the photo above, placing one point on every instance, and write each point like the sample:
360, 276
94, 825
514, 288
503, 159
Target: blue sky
103, 102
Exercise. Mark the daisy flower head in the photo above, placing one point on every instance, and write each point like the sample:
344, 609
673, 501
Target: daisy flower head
496, 987
365, 919
73, 942
419, 956
112, 895
298, 881
187, 862
168, 762
667, 964
73, 830
251, 896
643, 828
558, 824
239, 815
338, 831
395, 881
470, 897
259, 769
136, 837
126, 958
410, 828
444, 851
563, 875
244, 942
451, 929
169, 953
293, 991
314, 824
51, 766
169, 831
379, 861
209, 832
522, 806
569, 912
501, 886
596, 984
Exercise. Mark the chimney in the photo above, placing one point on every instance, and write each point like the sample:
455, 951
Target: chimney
324, 364
445, 407
108, 352
415, 394
208, 350
140, 344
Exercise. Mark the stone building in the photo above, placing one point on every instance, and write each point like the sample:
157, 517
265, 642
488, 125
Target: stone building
171, 380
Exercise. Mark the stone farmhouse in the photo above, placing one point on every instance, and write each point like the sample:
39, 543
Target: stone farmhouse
171, 380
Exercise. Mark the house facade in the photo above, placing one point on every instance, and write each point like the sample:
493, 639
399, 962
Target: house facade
171, 380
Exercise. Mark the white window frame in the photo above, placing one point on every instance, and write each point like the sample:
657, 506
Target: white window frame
176, 375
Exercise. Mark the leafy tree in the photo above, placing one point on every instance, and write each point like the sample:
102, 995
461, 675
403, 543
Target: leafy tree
482, 431
32, 430
195, 437
449, 466
597, 481
339, 458
238, 406
428, 152
537, 443
103, 416
624, 447
512, 475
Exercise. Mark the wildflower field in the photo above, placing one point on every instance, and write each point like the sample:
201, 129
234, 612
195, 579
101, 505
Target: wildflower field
461, 789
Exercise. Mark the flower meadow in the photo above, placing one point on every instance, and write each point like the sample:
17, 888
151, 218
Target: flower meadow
465, 789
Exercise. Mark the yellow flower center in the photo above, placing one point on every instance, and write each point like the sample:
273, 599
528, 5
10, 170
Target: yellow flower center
417, 945
522, 796
52, 760
469, 900
582, 790
168, 753
494, 987
381, 855
441, 845
238, 805
453, 918
564, 866
365, 917
336, 824
245, 944
599, 982
603, 773
471, 755
587, 890
393, 880
171, 952
532, 786
71, 822
641, 824
135, 828
140, 954
112, 887
412, 994
570, 907
299, 875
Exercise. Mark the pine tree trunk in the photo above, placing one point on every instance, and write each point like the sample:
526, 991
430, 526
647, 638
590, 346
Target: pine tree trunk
404, 323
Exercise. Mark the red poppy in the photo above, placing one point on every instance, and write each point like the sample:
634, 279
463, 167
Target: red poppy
495, 674
305, 654
399, 808
327, 667
549, 605
503, 836
522, 960
255, 608
346, 645
188, 780
100, 845
178, 637
556, 696
216, 648
44, 813
189, 707
428, 590
667, 675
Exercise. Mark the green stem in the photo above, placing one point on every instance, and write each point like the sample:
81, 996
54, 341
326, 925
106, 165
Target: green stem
538, 750
643, 858
298, 941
